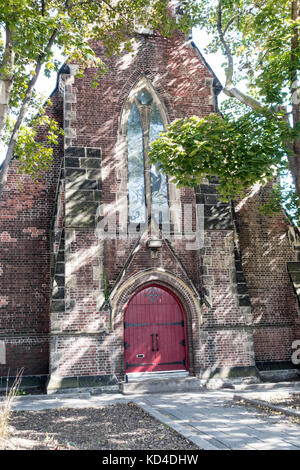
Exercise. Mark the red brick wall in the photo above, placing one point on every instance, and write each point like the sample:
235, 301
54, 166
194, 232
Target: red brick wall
26, 211
265, 252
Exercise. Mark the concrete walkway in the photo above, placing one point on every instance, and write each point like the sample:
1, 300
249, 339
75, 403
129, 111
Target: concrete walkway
210, 419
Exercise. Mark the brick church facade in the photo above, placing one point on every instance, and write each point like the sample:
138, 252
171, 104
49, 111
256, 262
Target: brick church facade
92, 287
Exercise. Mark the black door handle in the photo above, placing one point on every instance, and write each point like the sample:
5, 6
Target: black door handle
157, 348
152, 341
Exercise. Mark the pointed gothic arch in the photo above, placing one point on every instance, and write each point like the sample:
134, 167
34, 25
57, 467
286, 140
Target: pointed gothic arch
155, 337
188, 298
144, 116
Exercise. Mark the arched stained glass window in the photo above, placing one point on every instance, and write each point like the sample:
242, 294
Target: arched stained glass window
136, 168
159, 183
143, 127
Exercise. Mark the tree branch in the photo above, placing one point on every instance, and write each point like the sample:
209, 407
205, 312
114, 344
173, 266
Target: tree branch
23, 111
243, 98
295, 163
230, 22
228, 53
293, 78
6, 76
228, 89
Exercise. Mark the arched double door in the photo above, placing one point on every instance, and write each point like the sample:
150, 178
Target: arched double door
154, 332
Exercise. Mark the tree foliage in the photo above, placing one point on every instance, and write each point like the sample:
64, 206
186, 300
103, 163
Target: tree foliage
260, 42
240, 150
34, 29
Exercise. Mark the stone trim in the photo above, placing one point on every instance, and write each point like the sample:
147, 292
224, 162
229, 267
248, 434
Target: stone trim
188, 299
229, 372
28, 381
59, 383
121, 156
293, 269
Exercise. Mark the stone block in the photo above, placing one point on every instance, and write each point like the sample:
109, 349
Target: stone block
81, 185
70, 98
242, 288
60, 256
81, 214
96, 381
75, 152
57, 306
217, 218
94, 174
70, 305
97, 273
93, 152
98, 195
90, 163
200, 199
207, 260
59, 280
240, 278
71, 162
211, 200
59, 268
70, 115
74, 196
208, 189
244, 300
71, 282
207, 280
75, 174
58, 293
70, 132
293, 267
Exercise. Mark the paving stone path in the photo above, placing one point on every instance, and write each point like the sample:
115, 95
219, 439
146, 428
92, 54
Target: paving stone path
211, 419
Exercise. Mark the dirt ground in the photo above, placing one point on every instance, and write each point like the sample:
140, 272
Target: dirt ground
292, 402
114, 427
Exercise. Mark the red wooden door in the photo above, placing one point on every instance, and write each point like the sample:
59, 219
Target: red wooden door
154, 332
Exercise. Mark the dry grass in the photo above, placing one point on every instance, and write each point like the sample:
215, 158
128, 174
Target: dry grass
6, 405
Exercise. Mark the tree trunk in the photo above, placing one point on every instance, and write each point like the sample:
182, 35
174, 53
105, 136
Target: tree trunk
22, 113
5, 89
18, 124
295, 161
6, 77
294, 164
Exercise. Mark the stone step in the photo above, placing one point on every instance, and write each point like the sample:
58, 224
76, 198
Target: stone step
280, 375
161, 385
138, 376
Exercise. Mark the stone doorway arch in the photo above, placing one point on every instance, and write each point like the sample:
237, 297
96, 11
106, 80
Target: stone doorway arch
187, 296
155, 337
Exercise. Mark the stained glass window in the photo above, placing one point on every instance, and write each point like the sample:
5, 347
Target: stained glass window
159, 183
136, 169
157, 195
144, 97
